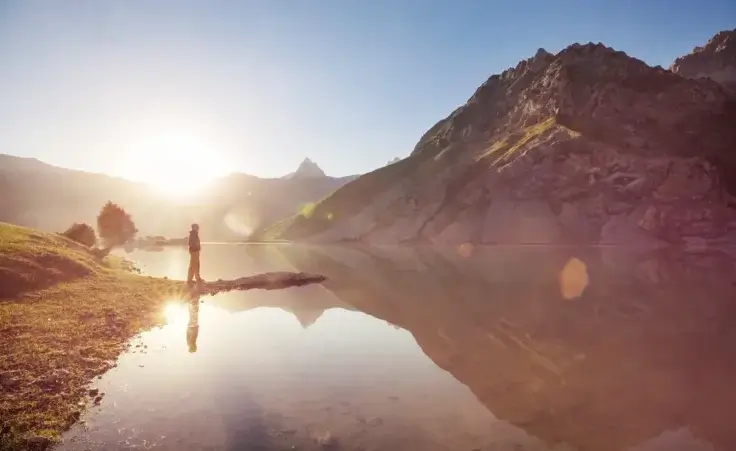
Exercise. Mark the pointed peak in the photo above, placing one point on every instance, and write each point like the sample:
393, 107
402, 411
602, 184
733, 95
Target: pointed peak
308, 168
307, 317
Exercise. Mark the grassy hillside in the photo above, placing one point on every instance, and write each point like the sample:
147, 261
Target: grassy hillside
64, 317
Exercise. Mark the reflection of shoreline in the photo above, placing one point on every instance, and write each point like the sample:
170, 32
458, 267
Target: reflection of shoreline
160, 245
647, 348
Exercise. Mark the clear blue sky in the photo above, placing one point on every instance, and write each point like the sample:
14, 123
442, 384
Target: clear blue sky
349, 83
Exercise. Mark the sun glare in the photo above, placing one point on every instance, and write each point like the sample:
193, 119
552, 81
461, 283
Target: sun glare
176, 165
175, 313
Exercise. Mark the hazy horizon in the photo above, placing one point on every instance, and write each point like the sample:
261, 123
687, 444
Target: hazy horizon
250, 87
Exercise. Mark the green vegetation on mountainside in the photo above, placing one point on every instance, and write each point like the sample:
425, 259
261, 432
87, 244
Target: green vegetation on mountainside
343, 203
508, 146
351, 198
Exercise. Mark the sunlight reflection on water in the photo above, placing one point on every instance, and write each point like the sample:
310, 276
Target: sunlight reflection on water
325, 377
573, 279
176, 312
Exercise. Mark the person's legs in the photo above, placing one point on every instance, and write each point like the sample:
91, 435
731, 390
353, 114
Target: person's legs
190, 271
195, 256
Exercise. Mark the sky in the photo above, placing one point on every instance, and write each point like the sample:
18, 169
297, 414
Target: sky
122, 87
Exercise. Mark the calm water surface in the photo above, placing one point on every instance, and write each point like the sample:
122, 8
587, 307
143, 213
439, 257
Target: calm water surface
427, 349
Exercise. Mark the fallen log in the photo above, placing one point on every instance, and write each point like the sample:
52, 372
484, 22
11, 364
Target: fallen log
265, 281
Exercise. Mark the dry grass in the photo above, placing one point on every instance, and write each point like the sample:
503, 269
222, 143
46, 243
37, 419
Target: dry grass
507, 147
65, 320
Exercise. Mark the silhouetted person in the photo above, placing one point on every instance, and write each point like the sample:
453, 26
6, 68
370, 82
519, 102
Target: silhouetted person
194, 248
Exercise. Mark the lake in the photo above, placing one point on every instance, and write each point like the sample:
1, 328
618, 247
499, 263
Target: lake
467, 348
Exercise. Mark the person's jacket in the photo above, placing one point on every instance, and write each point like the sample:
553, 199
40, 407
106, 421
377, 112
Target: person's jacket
194, 245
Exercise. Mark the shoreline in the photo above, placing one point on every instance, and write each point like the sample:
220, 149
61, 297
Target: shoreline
57, 340
65, 318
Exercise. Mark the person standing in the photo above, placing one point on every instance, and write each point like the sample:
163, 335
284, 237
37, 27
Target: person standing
194, 248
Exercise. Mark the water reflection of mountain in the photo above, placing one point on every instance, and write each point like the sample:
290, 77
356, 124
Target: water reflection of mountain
649, 346
306, 303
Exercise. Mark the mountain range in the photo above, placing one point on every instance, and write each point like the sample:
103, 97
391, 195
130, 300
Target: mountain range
47, 197
585, 146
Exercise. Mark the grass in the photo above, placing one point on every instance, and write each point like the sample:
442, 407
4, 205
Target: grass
65, 316
354, 196
508, 146
307, 209
343, 203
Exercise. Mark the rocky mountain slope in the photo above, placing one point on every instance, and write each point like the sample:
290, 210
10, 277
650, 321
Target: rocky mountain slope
715, 60
36, 194
586, 146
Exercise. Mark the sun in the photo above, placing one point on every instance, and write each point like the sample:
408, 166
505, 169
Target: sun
176, 165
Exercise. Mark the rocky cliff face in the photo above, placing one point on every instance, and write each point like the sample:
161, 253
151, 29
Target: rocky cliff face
715, 60
585, 146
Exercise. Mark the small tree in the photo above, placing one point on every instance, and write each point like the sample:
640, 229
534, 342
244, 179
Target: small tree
115, 226
81, 233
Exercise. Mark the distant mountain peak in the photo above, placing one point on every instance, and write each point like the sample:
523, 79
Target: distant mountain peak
307, 169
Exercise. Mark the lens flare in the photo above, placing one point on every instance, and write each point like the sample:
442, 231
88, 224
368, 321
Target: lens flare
573, 279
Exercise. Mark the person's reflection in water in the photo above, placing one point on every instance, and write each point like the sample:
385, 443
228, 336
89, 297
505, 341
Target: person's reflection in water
193, 325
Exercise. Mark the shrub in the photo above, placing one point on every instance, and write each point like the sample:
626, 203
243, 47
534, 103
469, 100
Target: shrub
81, 233
114, 226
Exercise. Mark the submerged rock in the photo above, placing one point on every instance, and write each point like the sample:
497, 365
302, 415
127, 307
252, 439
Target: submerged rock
38, 443
327, 441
